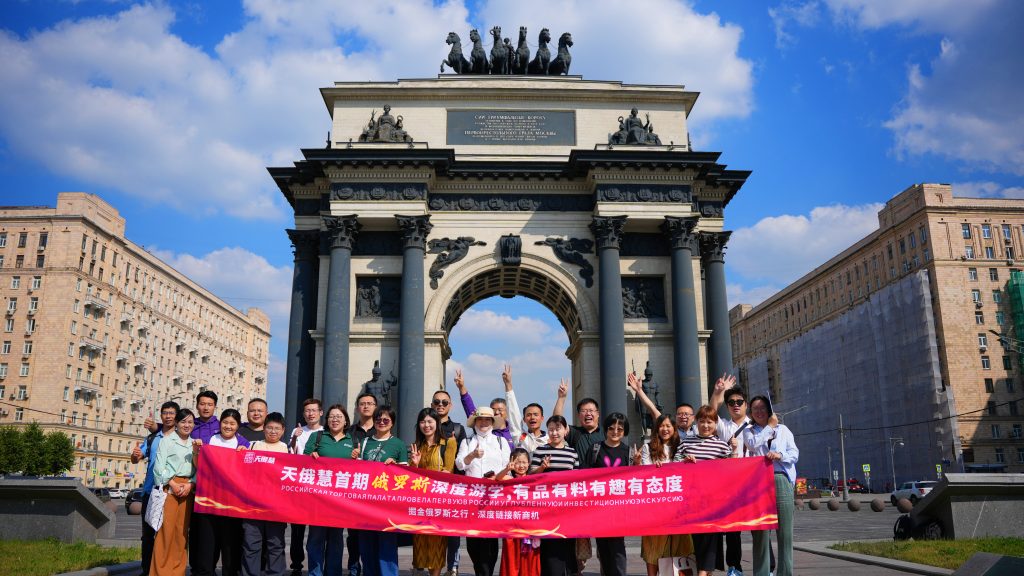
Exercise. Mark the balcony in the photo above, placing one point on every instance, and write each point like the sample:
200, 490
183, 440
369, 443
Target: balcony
95, 303
91, 344
88, 390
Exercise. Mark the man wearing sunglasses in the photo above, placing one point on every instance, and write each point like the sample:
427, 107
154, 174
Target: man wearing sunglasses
441, 402
736, 407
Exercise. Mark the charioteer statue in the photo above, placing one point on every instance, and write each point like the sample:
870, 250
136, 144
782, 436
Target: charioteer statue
387, 128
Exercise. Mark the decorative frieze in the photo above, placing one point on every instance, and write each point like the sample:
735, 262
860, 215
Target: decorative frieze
378, 191
449, 251
571, 251
643, 297
511, 202
378, 297
676, 193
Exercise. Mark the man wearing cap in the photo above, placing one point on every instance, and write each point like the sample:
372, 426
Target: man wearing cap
482, 455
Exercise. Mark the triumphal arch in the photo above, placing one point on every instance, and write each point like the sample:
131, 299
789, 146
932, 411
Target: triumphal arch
432, 194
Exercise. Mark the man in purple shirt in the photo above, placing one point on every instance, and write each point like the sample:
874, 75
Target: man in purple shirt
204, 541
498, 405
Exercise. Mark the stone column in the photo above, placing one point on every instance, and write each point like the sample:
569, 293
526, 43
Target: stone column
409, 396
608, 233
341, 233
299, 371
683, 238
712, 248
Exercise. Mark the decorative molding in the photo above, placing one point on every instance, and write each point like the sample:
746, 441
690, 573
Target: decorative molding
682, 233
709, 208
607, 230
643, 297
305, 243
378, 244
571, 251
511, 202
510, 249
414, 230
378, 297
712, 245
341, 230
636, 244
449, 251
378, 191
679, 193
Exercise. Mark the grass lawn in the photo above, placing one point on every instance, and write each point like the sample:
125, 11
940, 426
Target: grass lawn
45, 557
942, 553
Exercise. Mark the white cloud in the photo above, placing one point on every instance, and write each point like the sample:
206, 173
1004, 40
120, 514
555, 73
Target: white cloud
786, 13
779, 249
677, 45
987, 189
929, 15
754, 295
487, 324
535, 374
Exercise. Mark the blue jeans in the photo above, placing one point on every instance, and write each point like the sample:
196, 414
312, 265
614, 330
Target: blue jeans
454, 553
324, 547
379, 553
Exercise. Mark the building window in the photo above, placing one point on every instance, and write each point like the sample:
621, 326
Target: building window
923, 233
913, 240
1016, 431
1006, 233
990, 253
982, 340
1020, 455
1006, 363
74, 327
1000, 457
986, 364
19, 414
12, 305
9, 325
976, 296
990, 406
1009, 253
972, 274
927, 254
3, 239
22, 239
24, 369
969, 252
6, 348
40, 261
33, 304
995, 430
3, 371
1000, 318
979, 317
1009, 385
986, 230
903, 246
26, 348
990, 386
37, 282
997, 296
965, 230
993, 274
15, 282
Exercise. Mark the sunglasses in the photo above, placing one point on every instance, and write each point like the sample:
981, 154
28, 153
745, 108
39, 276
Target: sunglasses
734, 402
441, 402
383, 420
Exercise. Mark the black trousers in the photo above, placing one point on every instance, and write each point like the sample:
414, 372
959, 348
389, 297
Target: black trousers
352, 541
733, 551
229, 533
611, 553
204, 544
557, 556
148, 535
297, 551
484, 553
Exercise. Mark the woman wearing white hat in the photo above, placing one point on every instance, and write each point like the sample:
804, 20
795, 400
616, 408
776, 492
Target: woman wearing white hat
482, 455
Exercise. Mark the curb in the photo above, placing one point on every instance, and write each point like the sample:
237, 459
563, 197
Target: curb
112, 570
822, 549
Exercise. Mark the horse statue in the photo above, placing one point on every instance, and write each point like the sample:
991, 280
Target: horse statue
560, 65
456, 61
540, 62
522, 54
478, 63
499, 55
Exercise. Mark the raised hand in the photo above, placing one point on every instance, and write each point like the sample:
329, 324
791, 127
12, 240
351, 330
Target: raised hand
355, 453
545, 463
414, 455
150, 425
506, 377
137, 453
724, 382
479, 452
634, 382
460, 382
563, 388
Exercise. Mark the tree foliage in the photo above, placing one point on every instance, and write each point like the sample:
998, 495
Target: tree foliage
32, 452
59, 453
11, 450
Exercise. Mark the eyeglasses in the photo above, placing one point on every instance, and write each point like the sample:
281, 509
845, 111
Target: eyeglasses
441, 402
734, 402
588, 411
383, 420
336, 417
366, 404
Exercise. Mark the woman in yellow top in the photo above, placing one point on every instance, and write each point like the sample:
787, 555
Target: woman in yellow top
431, 452
174, 472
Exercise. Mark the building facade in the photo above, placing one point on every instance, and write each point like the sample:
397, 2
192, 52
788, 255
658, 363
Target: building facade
910, 333
463, 187
97, 333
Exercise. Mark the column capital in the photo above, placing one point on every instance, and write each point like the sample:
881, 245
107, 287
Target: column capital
681, 232
341, 230
712, 245
608, 230
305, 243
414, 230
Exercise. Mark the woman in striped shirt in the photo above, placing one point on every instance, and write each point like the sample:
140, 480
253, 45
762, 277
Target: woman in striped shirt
706, 446
557, 555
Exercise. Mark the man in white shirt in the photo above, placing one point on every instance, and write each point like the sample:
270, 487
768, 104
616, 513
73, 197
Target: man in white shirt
533, 417
312, 411
482, 455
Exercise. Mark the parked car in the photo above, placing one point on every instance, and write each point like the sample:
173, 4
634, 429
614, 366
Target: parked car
912, 491
855, 487
102, 493
133, 496
117, 493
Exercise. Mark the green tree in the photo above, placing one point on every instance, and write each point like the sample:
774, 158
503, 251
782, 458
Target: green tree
59, 453
33, 459
12, 448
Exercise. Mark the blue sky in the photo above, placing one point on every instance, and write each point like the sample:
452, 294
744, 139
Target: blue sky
171, 111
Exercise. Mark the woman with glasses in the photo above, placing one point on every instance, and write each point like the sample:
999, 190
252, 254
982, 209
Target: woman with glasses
431, 452
379, 550
776, 443
612, 452
174, 472
324, 545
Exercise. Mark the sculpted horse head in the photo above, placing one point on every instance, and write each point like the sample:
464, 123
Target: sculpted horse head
560, 64
564, 40
544, 37
474, 36
453, 38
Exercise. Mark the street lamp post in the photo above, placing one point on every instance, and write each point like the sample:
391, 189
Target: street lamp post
893, 442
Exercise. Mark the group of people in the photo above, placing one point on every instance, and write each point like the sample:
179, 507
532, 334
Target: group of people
491, 445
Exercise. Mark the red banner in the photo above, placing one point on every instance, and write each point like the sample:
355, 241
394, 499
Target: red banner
713, 496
